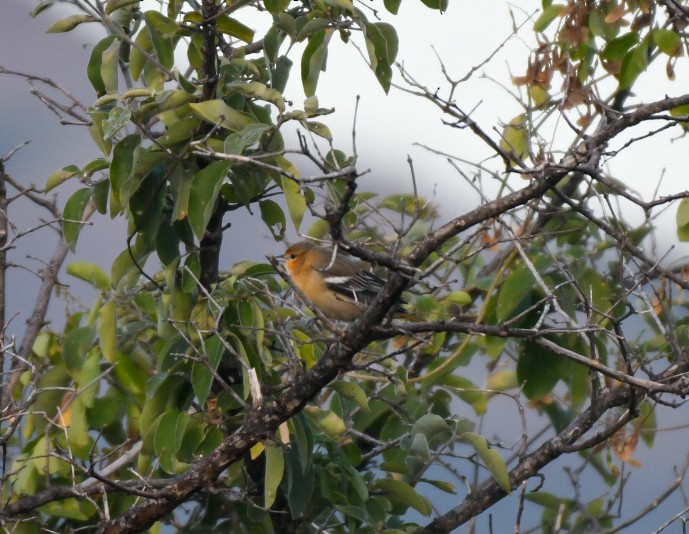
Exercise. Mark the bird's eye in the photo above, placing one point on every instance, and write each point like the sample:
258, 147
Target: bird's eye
292, 256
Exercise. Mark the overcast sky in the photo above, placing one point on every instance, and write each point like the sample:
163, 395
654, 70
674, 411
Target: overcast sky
388, 127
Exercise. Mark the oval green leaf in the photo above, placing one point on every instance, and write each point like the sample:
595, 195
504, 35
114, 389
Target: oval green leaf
203, 194
275, 468
91, 273
405, 493
74, 212
491, 459
69, 23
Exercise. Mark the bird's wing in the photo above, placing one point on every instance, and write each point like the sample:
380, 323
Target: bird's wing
362, 286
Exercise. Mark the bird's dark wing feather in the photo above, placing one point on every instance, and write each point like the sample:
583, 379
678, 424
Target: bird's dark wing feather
362, 287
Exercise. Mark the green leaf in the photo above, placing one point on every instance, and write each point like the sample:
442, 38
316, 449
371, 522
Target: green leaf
189, 282
41, 7
146, 302
122, 165
357, 481
275, 468
440, 5
434, 428
276, 6
193, 436
633, 64
392, 6
247, 184
180, 131
515, 138
668, 41
138, 92
682, 219
618, 47
235, 28
327, 420
382, 44
114, 5
69, 23
109, 67
117, 119
101, 194
682, 216
351, 391
405, 493
313, 60
201, 377
598, 286
516, 287
260, 91
76, 345
164, 26
167, 243
466, 390
44, 463
77, 432
312, 27
161, 29
246, 314
124, 269
180, 185
96, 131
311, 105
461, 298
502, 380
146, 204
252, 134
548, 500
442, 485
490, 457
343, 4
648, 423
87, 378
203, 194
273, 217
419, 446
74, 212
538, 369
94, 71
137, 60
283, 67
217, 112
107, 330
300, 481
91, 273
168, 437
94, 166
549, 14
319, 129
296, 203
304, 440
234, 144
59, 177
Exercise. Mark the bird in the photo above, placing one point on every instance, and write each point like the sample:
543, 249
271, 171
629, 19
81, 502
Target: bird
335, 285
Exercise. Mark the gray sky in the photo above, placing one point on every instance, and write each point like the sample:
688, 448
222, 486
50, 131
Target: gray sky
387, 129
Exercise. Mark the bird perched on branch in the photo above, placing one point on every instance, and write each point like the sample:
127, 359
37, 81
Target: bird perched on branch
335, 285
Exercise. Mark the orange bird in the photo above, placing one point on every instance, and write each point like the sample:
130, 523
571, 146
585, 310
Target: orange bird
335, 285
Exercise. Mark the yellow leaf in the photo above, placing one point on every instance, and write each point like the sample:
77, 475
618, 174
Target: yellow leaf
515, 138
256, 450
106, 330
328, 421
